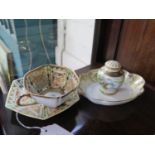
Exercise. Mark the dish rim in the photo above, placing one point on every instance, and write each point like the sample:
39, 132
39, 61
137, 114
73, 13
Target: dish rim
126, 72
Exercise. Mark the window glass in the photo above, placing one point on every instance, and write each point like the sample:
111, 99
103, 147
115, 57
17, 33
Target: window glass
31, 42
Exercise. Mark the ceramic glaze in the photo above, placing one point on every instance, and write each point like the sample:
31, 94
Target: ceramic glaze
50, 84
132, 87
35, 110
111, 77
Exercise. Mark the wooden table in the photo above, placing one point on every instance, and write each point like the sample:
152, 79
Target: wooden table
136, 117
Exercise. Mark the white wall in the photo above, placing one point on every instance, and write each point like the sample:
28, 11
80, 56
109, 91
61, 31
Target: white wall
75, 42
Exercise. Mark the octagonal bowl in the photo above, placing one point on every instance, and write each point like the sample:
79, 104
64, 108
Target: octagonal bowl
49, 85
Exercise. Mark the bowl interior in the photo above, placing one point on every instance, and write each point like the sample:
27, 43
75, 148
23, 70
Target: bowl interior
50, 80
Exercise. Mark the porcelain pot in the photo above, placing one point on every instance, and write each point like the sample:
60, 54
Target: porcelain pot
111, 77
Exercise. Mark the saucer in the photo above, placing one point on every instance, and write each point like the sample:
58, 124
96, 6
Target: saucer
132, 87
38, 111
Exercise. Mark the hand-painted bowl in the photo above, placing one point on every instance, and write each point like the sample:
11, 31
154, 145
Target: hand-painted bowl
50, 84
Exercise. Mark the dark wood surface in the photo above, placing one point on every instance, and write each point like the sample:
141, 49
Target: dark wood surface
136, 117
96, 41
113, 28
131, 42
136, 50
107, 39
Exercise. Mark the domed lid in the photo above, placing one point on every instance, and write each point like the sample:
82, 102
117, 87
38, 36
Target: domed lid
113, 66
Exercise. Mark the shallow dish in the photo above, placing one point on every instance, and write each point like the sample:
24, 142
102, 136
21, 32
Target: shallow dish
50, 84
132, 87
34, 110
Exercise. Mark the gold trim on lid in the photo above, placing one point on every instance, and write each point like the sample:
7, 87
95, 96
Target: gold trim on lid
113, 66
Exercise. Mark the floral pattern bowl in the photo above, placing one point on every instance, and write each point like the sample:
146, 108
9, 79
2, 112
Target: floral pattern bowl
34, 110
49, 85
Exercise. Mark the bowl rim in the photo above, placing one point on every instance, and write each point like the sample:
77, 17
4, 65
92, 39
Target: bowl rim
52, 97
